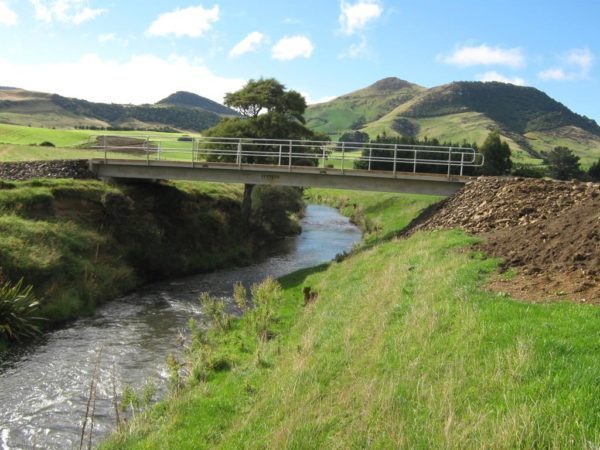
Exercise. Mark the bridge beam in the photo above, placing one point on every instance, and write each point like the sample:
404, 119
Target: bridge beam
278, 176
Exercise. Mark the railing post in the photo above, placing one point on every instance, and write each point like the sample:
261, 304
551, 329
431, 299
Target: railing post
370, 155
105, 150
280, 148
239, 153
323, 157
193, 152
147, 145
290, 159
462, 161
395, 157
415, 151
343, 154
449, 161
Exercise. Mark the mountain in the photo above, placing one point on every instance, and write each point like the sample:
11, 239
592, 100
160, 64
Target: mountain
191, 100
354, 110
527, 118
22, 107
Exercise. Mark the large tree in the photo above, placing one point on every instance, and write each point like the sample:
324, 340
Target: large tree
269, 112
497, 155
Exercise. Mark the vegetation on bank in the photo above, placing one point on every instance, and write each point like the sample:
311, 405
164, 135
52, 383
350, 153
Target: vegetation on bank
397, 345
80, 243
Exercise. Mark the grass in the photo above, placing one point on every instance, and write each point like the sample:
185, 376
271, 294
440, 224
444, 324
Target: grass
583, 144
22, 135
404, 348
16, 153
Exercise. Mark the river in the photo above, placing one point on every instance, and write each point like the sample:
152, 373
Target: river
44, 387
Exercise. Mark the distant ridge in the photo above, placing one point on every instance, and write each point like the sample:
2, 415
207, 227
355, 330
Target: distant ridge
528, 118
180, 111
191, 100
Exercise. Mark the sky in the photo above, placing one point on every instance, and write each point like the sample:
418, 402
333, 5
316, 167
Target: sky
128, 51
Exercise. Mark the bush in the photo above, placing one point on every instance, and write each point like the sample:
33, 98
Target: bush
47, 144
563, 164
594, 171
529, 171
18, 308
265, 297
271, 206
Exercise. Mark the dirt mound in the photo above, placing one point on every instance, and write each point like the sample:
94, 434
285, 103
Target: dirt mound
548, 230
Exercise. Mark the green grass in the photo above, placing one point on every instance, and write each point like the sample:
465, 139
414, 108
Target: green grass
403, 349
583, 144
16, 153
22, 135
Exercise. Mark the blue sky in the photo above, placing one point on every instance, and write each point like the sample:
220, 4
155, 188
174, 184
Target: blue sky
140, 51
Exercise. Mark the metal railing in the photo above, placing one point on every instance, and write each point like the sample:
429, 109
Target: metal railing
291, 154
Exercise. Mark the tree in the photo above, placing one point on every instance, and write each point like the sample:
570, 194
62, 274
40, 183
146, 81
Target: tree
496, 154
594, 171
563, 164
270, 112
354, 136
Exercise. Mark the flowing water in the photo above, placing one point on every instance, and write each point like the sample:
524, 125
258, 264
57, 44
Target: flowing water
44, 388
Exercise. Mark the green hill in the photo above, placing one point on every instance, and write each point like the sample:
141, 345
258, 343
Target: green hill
191, 100
529, 119
21, 107
355, 110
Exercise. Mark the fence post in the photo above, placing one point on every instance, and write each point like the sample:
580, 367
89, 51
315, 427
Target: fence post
280, 146
415, 150
147, 145
239, 153
370, 156
193, 152
462, 161
449, 161
323, 157
343, 154
290, 159
105, 150
395, 157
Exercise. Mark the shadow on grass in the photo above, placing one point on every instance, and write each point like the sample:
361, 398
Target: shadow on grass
296, 279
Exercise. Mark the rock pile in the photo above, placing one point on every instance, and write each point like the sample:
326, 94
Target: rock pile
548, 230
19, 171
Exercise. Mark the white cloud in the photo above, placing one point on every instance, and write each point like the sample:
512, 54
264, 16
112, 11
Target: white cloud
192, 22
108, 37
75, 12
7, 16
495, 76
484, 55
249, 44
576, 65
314, 101
355, 17
357, 50
292, 47
142, 79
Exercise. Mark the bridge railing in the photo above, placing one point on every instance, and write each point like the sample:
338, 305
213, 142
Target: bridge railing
290, 154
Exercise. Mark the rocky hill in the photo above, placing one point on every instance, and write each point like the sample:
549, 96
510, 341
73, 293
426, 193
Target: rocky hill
547, 231
529, 119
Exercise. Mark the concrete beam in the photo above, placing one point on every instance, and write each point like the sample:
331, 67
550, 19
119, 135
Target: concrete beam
280, 176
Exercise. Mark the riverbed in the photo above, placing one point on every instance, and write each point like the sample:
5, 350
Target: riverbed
44, 387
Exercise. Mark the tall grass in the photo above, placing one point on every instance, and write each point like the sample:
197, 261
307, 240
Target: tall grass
18, 311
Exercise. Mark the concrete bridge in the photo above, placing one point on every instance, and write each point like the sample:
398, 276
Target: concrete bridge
349, 165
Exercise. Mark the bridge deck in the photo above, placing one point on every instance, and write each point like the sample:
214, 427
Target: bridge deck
368, 180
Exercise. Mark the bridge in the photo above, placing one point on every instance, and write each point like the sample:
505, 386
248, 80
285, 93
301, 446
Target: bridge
338, 165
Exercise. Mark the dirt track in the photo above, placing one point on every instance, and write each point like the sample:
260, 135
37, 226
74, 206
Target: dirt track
548, 230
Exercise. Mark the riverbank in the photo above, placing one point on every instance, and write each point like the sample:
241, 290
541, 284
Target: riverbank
400, 346
81, 243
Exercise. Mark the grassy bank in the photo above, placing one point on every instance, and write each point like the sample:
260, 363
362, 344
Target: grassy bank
80, 243
402, 348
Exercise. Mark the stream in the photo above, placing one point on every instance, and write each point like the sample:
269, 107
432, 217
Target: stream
44, 387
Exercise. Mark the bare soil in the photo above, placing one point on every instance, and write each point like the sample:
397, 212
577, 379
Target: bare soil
548, 231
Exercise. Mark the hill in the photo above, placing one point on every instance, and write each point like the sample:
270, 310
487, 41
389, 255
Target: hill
191, 100
22, 107
528, 118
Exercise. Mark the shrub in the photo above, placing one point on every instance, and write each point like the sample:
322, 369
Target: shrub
563, 164
47, 144
265, 296
18, 308
594, 171
529, 171
214, 308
